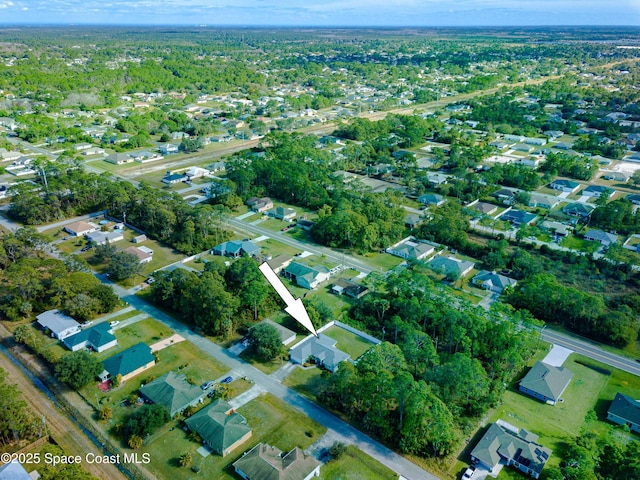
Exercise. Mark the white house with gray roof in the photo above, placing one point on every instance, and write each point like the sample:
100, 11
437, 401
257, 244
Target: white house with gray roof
505, 444
321, 349
410, 248
599, 236
60, 325
493, 281
546, 382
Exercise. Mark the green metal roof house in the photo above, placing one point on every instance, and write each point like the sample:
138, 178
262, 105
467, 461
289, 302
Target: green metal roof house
305, 276
264, 462
220, 427
546, 382
504, 443
172, 391
625, 410
99, 338
128, 363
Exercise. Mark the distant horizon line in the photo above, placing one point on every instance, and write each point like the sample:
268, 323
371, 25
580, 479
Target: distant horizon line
282, 26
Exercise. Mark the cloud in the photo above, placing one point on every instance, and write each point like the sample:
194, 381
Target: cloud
6, 4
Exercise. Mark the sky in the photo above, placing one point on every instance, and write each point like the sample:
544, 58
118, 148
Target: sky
382, 13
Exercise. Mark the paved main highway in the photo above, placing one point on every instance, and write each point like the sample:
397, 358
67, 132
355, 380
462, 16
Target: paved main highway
591, 350
332, 255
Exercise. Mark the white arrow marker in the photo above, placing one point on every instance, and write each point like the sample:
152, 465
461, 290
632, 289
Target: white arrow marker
295, 308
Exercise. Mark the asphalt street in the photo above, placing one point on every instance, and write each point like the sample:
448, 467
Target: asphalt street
338, 428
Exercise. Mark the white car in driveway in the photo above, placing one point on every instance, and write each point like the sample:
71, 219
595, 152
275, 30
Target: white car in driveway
114, 323
468, 473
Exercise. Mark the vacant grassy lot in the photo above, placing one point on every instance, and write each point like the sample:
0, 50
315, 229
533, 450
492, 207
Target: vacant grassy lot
579, 244
269, 367
381, 261
356, 465
271, 420
348, 342
306, 381
338, 304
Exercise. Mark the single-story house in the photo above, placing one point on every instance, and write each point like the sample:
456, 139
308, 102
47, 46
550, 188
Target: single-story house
172, 178
168, 149
60, 325
564, 185
144, 254
543, 201
286, 336
436, 179
264, 462
78, 229
100, 238
546, 382
220, 427
604, 238
617, 176
633, 198
485, 208
236, 248
342, 286
305, 276
518, 217
197, 172
283, 213
506, 444
431, 199
504, 195
523, 147
279, 262
145, 156
493, 281
533, 162
625, 410
98, 337
321, 349
78, 147
173, 392
119, 158
410, 248
260, 204
557, 228
578, 209
412, 220
306, 224
497, 144
451, 266
128, 363
597, 191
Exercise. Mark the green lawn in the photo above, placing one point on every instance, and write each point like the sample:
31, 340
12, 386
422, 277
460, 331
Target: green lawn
248, 355
307, 381
271, 420
273, 247
381, 261
339, 304
579, 244
356, 465
148, 331
274, 224
348, 342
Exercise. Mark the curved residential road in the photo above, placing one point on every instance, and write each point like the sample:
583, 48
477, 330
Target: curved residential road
591, 350
340, 429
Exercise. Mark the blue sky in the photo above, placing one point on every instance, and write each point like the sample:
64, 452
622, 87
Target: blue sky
323, 12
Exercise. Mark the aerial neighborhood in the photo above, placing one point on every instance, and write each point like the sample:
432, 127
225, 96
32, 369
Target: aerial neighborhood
329, 253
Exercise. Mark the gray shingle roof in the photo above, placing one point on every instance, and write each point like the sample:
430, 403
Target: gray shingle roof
265, 462
547, 380
521, 446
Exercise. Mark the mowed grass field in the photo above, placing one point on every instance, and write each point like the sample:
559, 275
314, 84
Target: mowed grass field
356, 465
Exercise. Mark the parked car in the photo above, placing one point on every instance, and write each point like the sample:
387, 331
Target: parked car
468, 473
84, 249
227, 380
207, 385
114, 323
